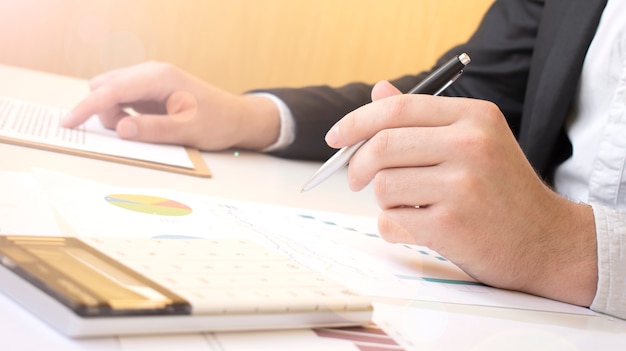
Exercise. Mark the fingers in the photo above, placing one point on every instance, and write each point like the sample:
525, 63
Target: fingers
161, 114
110, 117
415, 226
393, 230
410, 187
416, 131
98, 102
394, 112
399, 148
117, 88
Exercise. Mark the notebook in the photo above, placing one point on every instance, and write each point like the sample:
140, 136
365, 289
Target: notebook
87, 287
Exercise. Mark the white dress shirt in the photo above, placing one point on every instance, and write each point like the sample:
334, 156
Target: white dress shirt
597, 126
596, 172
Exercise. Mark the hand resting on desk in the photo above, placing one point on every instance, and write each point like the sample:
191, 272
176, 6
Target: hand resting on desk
176, 108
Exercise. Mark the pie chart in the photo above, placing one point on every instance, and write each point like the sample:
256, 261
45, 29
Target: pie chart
148, 204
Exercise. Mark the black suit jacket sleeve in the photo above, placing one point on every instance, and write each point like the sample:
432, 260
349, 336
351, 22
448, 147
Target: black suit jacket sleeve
501, 51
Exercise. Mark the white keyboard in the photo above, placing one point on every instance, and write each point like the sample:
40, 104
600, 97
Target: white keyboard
230, 275
114, 286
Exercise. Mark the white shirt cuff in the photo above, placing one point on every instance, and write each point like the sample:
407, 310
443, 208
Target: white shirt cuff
287, 124
611, 233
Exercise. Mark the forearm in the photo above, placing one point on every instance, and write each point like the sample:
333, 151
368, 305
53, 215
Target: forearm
564, 264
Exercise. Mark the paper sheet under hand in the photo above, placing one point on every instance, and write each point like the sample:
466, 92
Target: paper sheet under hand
39, 123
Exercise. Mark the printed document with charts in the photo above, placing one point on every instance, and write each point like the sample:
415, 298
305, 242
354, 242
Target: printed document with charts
342, 247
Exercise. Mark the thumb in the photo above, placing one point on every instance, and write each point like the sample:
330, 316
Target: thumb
182, 107
384, 89
148, 128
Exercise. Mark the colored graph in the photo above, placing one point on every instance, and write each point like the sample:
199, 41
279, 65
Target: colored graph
148, 204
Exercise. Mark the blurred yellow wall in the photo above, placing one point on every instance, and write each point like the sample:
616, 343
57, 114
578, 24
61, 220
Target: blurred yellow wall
237, 44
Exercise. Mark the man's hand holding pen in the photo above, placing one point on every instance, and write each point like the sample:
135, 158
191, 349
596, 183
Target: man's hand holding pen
440, 167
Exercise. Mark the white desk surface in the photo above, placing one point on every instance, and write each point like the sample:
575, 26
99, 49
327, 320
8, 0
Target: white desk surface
261, 178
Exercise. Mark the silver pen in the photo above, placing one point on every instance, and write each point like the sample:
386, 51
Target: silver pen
434, 84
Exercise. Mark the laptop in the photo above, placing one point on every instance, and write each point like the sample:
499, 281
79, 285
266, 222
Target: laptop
90, 287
